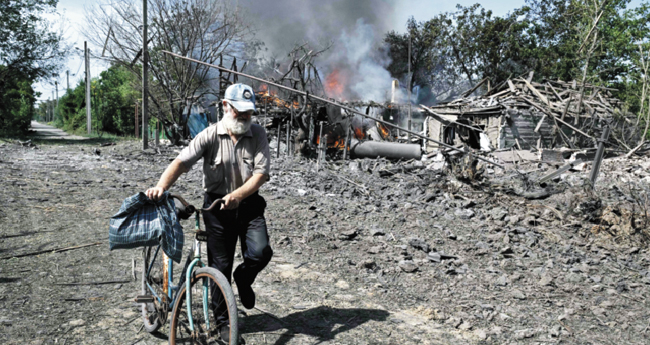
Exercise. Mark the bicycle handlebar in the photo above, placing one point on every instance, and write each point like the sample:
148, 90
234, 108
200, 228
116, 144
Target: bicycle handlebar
191, 209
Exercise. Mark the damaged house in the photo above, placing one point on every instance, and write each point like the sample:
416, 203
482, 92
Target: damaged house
526, 115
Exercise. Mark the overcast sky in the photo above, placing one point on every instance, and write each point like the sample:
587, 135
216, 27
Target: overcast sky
72, 12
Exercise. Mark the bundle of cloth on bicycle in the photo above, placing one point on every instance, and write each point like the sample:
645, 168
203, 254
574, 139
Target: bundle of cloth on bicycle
142, 222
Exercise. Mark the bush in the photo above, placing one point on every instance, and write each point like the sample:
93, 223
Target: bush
17, 101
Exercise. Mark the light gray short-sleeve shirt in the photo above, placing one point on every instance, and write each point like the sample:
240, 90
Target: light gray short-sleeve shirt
222, 159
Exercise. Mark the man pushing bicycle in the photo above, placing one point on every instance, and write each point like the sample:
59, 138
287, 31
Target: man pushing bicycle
236, 163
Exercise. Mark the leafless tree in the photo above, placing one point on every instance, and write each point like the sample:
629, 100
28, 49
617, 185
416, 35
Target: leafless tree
204, 30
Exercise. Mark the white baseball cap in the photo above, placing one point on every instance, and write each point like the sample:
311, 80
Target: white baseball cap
240, 96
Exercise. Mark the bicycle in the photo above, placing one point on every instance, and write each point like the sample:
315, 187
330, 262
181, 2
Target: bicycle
202, 287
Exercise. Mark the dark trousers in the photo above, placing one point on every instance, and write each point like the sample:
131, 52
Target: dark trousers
245, 223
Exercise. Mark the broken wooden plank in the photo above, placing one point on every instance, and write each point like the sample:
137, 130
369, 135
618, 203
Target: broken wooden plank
58, 250
511, 86
555, 92
530, 76
539, 124
95, 283
537, 93
559, 171
469, 92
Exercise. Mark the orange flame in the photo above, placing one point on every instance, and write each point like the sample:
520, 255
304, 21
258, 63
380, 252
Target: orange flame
335, 83
383, 130
338, 143
359, 133
270, 98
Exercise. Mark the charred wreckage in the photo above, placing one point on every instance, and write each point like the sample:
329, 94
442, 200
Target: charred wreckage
518, 120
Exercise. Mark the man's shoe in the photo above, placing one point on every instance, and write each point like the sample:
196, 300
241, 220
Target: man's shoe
246, 293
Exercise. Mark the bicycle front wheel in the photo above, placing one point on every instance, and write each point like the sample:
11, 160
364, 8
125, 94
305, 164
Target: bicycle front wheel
212, 296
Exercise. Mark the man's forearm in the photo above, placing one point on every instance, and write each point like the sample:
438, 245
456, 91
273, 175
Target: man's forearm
251, 186
171, 174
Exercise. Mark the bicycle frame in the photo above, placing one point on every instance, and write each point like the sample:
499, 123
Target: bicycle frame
169, 288
188, 299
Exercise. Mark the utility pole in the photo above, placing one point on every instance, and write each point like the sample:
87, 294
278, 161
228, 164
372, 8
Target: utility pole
52, 118
88, 125
56, 84
145, 78
409, 91
67, 77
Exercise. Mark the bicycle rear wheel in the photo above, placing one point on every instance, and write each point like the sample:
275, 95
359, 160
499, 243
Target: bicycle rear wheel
151, 312
205, 331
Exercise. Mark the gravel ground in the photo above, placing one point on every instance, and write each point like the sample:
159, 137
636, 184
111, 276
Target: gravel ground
366, 251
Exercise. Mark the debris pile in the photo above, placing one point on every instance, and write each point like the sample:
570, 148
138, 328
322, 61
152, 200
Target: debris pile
524, 114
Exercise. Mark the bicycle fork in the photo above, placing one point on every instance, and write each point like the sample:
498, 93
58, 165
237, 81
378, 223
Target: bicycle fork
206, 282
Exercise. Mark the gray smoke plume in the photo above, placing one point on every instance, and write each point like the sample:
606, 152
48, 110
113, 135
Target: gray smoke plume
355, 29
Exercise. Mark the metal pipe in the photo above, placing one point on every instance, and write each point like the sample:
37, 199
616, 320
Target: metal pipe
374, 149
599, 157
334, 103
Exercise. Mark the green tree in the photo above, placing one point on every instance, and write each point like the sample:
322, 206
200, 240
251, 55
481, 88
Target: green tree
452, 51
113, 96
29, 50
205, 30
17, 99
557, 39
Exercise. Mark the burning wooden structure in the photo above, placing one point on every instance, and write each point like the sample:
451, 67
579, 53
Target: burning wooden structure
313, 108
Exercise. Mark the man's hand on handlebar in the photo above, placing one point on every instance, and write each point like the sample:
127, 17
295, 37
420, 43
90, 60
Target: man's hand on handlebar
154, 193
230, 202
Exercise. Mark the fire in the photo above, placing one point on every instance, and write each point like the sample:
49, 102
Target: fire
269, 98
338, 143
383, 131
359, 133
335, 83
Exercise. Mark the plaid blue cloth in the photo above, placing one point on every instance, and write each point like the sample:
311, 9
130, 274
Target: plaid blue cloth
142, 222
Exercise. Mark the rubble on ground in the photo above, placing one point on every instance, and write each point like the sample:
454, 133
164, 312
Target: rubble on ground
445, 249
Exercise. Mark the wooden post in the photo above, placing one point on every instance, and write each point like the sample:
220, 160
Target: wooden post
145, 79
88, 116
408, 135
53, 107
56, 85
288, 129
347, 140
277, 154
137, 123
320, 142
599, 157
157, 133
266, 112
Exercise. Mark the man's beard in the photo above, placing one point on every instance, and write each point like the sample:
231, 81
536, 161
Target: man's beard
236, 127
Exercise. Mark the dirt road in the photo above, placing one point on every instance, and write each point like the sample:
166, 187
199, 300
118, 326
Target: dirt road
361, 256
45, 131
